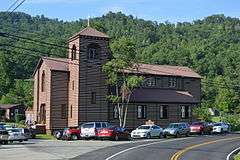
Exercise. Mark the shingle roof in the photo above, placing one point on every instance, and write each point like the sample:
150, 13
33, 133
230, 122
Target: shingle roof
162, 96
88, 31
8, 106
56, 63
166, 70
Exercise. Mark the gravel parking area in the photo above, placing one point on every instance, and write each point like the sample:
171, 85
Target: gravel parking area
51, 149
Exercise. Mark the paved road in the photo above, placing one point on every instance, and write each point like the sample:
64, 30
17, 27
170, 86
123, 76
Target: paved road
192, 148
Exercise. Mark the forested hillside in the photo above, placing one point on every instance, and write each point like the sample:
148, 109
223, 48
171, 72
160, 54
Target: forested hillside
210, 46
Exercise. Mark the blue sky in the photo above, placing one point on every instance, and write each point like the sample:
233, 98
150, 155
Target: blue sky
156, 10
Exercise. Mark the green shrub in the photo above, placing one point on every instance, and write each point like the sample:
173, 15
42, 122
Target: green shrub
19, 117
233, 120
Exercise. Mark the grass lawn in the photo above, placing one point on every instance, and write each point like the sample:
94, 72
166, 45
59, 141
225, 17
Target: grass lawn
237, 157
45, 136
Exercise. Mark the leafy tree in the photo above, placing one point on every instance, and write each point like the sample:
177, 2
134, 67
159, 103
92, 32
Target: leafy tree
124, 52
202, 112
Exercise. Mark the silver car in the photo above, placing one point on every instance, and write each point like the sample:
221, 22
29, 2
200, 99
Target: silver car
176, 129
16, 134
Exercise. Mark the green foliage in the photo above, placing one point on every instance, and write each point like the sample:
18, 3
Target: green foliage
202, 112
20, 94
233, 120
19, 118
210, 46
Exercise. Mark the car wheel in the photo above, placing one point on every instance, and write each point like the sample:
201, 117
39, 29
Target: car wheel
221, 131
164, 136
187, 134
177, 135
160, 135
148, 136
5, 142
116, 138
74, 137
20, 141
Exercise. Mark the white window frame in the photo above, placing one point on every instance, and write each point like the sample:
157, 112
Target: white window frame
172, 83
141, 112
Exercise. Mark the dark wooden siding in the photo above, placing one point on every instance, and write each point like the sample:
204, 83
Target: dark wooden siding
59, 99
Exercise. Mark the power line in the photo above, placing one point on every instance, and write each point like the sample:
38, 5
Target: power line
17, 6
12, 5
11, 36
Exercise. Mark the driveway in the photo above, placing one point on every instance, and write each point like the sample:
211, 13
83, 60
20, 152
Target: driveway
51, 149
215, 147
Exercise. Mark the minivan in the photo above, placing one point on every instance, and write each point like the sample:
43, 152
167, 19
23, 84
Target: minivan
90, 129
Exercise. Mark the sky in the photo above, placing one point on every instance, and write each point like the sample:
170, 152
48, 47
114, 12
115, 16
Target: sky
155, 10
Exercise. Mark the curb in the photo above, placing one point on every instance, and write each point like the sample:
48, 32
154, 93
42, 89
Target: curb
233, 153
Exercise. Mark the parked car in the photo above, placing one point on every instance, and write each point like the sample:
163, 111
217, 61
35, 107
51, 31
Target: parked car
177, 129
58, 134
28, 133
90, 129
71, 133
147, 131
221, 127
4, 137
15, 134
7, 126
113, 133
201, 128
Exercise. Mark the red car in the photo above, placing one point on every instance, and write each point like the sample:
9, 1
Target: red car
71, 133
113, 133
200, 128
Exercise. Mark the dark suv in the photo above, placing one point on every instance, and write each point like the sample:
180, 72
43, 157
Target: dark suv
4, 137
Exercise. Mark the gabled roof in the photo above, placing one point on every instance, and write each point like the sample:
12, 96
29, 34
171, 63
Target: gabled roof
59, 64
162, 96
8, 106
88, 31
164, 70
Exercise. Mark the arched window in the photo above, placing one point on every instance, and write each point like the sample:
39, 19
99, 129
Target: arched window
93, 51
74, 53
43, 81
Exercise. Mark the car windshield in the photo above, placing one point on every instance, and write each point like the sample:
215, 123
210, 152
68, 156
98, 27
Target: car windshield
217, 124
14, 130
144, 127
197, 123
173, 126
88, 125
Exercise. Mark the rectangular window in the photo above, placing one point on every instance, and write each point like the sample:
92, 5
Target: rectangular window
164, 112
141, 112
71, 111
64, 111
150, 82
93, 97
185, 112
115, 112
172, 82
72, 85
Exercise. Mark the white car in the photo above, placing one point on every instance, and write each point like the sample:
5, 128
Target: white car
221, 127
16, 134
147, 131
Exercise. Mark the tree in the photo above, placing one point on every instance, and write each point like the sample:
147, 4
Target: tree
202, 112
5, 76
124, 58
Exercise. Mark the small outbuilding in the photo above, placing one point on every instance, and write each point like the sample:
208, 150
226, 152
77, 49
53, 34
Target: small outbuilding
9, 111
